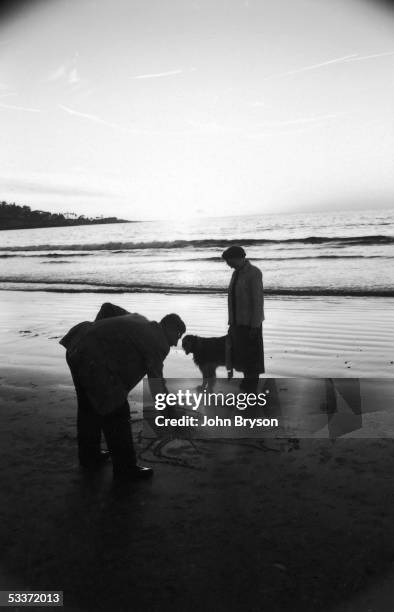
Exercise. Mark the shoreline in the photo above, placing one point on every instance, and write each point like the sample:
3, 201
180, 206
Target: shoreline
109, 289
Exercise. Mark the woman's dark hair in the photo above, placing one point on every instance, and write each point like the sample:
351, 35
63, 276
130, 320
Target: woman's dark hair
233, 252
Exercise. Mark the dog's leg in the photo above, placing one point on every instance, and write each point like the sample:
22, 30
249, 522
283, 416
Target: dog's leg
210, 375
204, 374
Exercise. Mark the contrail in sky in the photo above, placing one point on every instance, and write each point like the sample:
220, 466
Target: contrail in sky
354, 57
373, 56
158, 74
338, 60
94, 118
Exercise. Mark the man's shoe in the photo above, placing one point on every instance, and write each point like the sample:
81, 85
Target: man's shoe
95, 463
139, 472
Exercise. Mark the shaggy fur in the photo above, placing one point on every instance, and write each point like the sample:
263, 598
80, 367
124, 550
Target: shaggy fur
208, 354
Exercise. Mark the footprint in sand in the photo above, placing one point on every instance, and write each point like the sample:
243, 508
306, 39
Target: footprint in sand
27, 332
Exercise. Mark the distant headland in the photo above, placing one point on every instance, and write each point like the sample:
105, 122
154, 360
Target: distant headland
13, 216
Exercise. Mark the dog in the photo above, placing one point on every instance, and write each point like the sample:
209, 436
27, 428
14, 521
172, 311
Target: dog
208, 354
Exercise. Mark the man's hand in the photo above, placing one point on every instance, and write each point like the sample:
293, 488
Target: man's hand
157, 383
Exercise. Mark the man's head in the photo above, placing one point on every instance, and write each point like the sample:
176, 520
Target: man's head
173, 327
234, 257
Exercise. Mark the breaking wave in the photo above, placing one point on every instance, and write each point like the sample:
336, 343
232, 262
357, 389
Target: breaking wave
338, 241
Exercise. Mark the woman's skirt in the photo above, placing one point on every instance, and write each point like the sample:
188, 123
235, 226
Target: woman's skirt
247, 349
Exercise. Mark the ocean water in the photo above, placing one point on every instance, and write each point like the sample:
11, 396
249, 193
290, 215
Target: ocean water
305, 254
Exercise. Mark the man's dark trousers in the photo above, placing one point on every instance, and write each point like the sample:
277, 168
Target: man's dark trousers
115, 426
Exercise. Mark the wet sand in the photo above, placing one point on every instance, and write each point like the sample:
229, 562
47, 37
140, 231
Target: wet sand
306, 336
223, 525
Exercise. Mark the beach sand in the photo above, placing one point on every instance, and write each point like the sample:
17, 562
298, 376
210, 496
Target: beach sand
223, 525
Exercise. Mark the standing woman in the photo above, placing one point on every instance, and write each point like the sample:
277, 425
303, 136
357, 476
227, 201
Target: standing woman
245, 317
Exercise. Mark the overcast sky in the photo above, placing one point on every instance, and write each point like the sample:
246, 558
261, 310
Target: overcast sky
148, 108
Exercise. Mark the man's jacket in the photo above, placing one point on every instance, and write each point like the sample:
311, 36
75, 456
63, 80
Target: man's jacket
110, 356
246, 293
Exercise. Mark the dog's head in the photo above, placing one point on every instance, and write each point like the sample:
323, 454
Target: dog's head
189, 343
